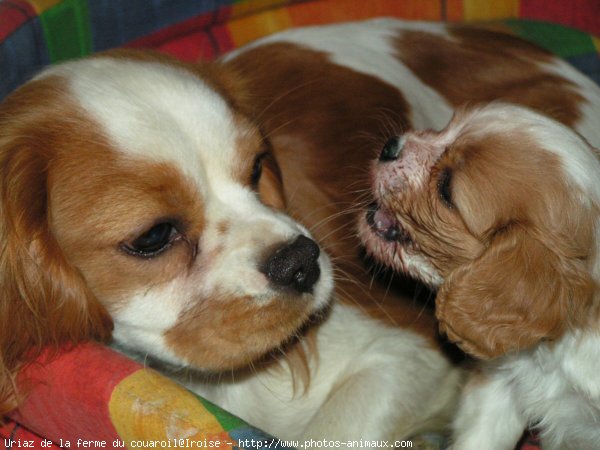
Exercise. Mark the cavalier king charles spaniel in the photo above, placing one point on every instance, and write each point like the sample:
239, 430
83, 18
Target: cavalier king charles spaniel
140, 202
500, 212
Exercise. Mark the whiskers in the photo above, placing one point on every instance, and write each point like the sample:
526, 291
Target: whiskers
387, 122
374, 297
344, 210
350, 291
317, 229
270, 111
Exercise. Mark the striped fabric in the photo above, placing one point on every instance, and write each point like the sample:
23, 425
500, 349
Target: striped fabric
91, 393
34, 33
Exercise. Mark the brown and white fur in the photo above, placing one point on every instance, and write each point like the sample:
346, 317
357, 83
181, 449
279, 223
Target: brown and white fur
345, 87
96, 153
500, 211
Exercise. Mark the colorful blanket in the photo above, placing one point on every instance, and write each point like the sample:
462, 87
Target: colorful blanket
34, 33
93, 395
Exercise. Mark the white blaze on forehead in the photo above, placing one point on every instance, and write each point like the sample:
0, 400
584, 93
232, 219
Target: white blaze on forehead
156, 111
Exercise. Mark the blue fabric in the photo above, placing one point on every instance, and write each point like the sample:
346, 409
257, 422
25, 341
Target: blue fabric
588, 64
115, 23
25, 46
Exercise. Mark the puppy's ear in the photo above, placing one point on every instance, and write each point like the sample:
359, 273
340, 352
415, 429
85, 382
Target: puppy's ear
270, 185
518, 292
45, 301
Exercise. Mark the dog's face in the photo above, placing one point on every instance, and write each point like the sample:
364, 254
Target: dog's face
499, 211
133, 187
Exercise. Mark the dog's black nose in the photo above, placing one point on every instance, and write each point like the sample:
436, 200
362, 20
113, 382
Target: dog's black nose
294, 265
392, 148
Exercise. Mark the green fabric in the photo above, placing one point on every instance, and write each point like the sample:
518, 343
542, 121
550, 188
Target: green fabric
562, 41
67, 30
227, 420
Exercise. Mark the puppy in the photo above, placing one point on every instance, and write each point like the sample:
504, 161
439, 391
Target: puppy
139, 199
501, 211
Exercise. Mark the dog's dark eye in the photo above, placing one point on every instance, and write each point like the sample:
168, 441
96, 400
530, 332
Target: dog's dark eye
444, 188
152, 242
257, 169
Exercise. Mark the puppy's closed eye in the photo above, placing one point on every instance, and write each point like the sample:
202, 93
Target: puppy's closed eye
257, 169
153, 241
267, 180
444, 187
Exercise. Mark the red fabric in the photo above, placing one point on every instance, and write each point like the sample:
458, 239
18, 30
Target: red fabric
581, 14
190, 40
68, 396
13, 14
192, 47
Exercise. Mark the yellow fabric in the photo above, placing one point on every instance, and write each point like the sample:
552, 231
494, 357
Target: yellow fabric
149, 410
251, 6
249, 28
479, 10
42, 5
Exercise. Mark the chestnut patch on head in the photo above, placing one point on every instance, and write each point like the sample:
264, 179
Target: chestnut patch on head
130, 221
531, 281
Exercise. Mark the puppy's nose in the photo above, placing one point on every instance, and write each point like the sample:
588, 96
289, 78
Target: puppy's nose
294, 265
392, 148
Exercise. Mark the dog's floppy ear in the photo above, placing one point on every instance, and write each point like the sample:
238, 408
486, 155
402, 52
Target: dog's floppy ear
519, 291
45, 301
